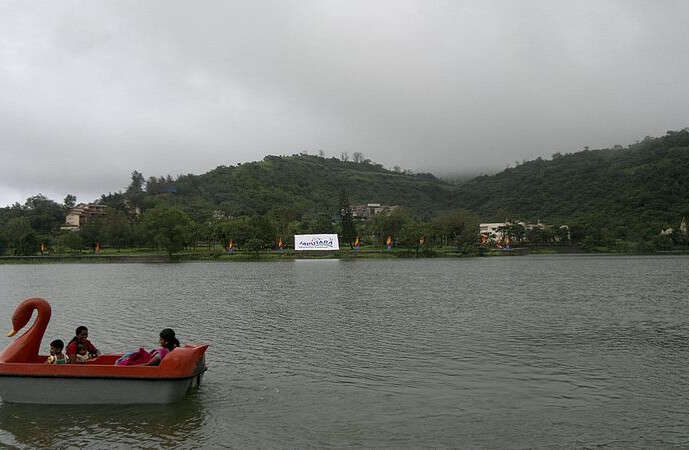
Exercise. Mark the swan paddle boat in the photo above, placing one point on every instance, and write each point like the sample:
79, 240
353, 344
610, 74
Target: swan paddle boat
24, 378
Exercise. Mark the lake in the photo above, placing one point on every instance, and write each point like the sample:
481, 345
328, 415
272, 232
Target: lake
534, 351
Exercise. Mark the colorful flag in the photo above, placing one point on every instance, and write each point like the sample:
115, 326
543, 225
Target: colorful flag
356, 243
230, 247
388, 242
280, 244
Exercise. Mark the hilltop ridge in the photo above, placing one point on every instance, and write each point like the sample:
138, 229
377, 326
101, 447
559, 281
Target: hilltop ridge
303, 183
617, 193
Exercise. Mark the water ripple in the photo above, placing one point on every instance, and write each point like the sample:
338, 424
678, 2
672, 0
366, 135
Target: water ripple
494, 352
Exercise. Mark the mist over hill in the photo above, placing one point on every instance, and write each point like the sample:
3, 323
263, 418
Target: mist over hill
618, 193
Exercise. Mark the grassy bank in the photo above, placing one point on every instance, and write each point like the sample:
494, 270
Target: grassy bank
143, 255
147, 255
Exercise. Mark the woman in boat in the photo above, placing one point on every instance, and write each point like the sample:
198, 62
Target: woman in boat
168, 342
81, 337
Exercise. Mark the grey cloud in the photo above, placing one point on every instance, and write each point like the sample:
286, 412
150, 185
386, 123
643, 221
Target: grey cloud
91, 91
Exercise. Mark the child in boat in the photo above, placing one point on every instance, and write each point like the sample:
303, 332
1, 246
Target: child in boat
168, 342
56, 355
82, 353
81, 337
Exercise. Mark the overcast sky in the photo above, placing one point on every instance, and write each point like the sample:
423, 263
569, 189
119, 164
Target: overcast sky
90, 91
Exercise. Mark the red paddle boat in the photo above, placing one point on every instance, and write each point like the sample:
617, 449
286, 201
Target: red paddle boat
24, 378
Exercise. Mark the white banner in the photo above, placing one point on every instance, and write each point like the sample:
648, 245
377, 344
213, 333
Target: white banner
316, 242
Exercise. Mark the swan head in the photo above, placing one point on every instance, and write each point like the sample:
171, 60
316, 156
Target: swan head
23, 313
20, 318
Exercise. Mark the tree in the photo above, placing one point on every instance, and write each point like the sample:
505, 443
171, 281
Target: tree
320, 223
457, 228
391, 224
262, 229
69, 240
202, 232
168, 227
70, 201
358, 157
116, 229
410, 234
137, 184
347, 228
231, 229
93, 232
20, 236
561, 234
293, 228
254, 246
135, 191
45, 215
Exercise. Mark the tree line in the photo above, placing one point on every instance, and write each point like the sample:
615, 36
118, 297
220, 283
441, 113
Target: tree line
25, 228
615, 199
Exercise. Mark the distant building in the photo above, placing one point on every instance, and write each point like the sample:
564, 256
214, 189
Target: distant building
369, 210
682, 229
568, 235
493, 231
80, 214
219, 214
666, 232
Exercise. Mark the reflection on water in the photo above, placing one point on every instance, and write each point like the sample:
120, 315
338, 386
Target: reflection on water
490, 352
124, 426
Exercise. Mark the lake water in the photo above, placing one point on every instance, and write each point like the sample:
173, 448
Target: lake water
539, 351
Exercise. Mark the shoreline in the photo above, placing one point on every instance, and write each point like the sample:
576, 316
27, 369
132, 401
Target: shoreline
276, 255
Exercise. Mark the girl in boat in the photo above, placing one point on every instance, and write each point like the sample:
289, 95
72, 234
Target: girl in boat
168, 342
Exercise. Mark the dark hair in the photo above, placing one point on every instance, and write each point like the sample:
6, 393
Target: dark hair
57, 343
168, 334
79, 329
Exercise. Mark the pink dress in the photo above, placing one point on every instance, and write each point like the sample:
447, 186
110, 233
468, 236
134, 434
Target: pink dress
142, 356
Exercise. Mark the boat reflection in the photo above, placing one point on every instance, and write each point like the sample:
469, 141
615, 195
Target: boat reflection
40, 426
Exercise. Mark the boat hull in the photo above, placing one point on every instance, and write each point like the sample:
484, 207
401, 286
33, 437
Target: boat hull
93, 391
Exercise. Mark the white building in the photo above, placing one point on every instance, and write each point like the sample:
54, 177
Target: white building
492, 230
370, 210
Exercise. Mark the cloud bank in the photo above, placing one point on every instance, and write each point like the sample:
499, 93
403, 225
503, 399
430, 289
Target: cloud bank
91, 91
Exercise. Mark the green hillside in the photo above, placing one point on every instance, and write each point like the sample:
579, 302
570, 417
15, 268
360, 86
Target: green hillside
612, 199
620, 193
301, 183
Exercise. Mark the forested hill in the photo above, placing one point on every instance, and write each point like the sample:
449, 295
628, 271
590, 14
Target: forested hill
617, 199
628, 193
301, 183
